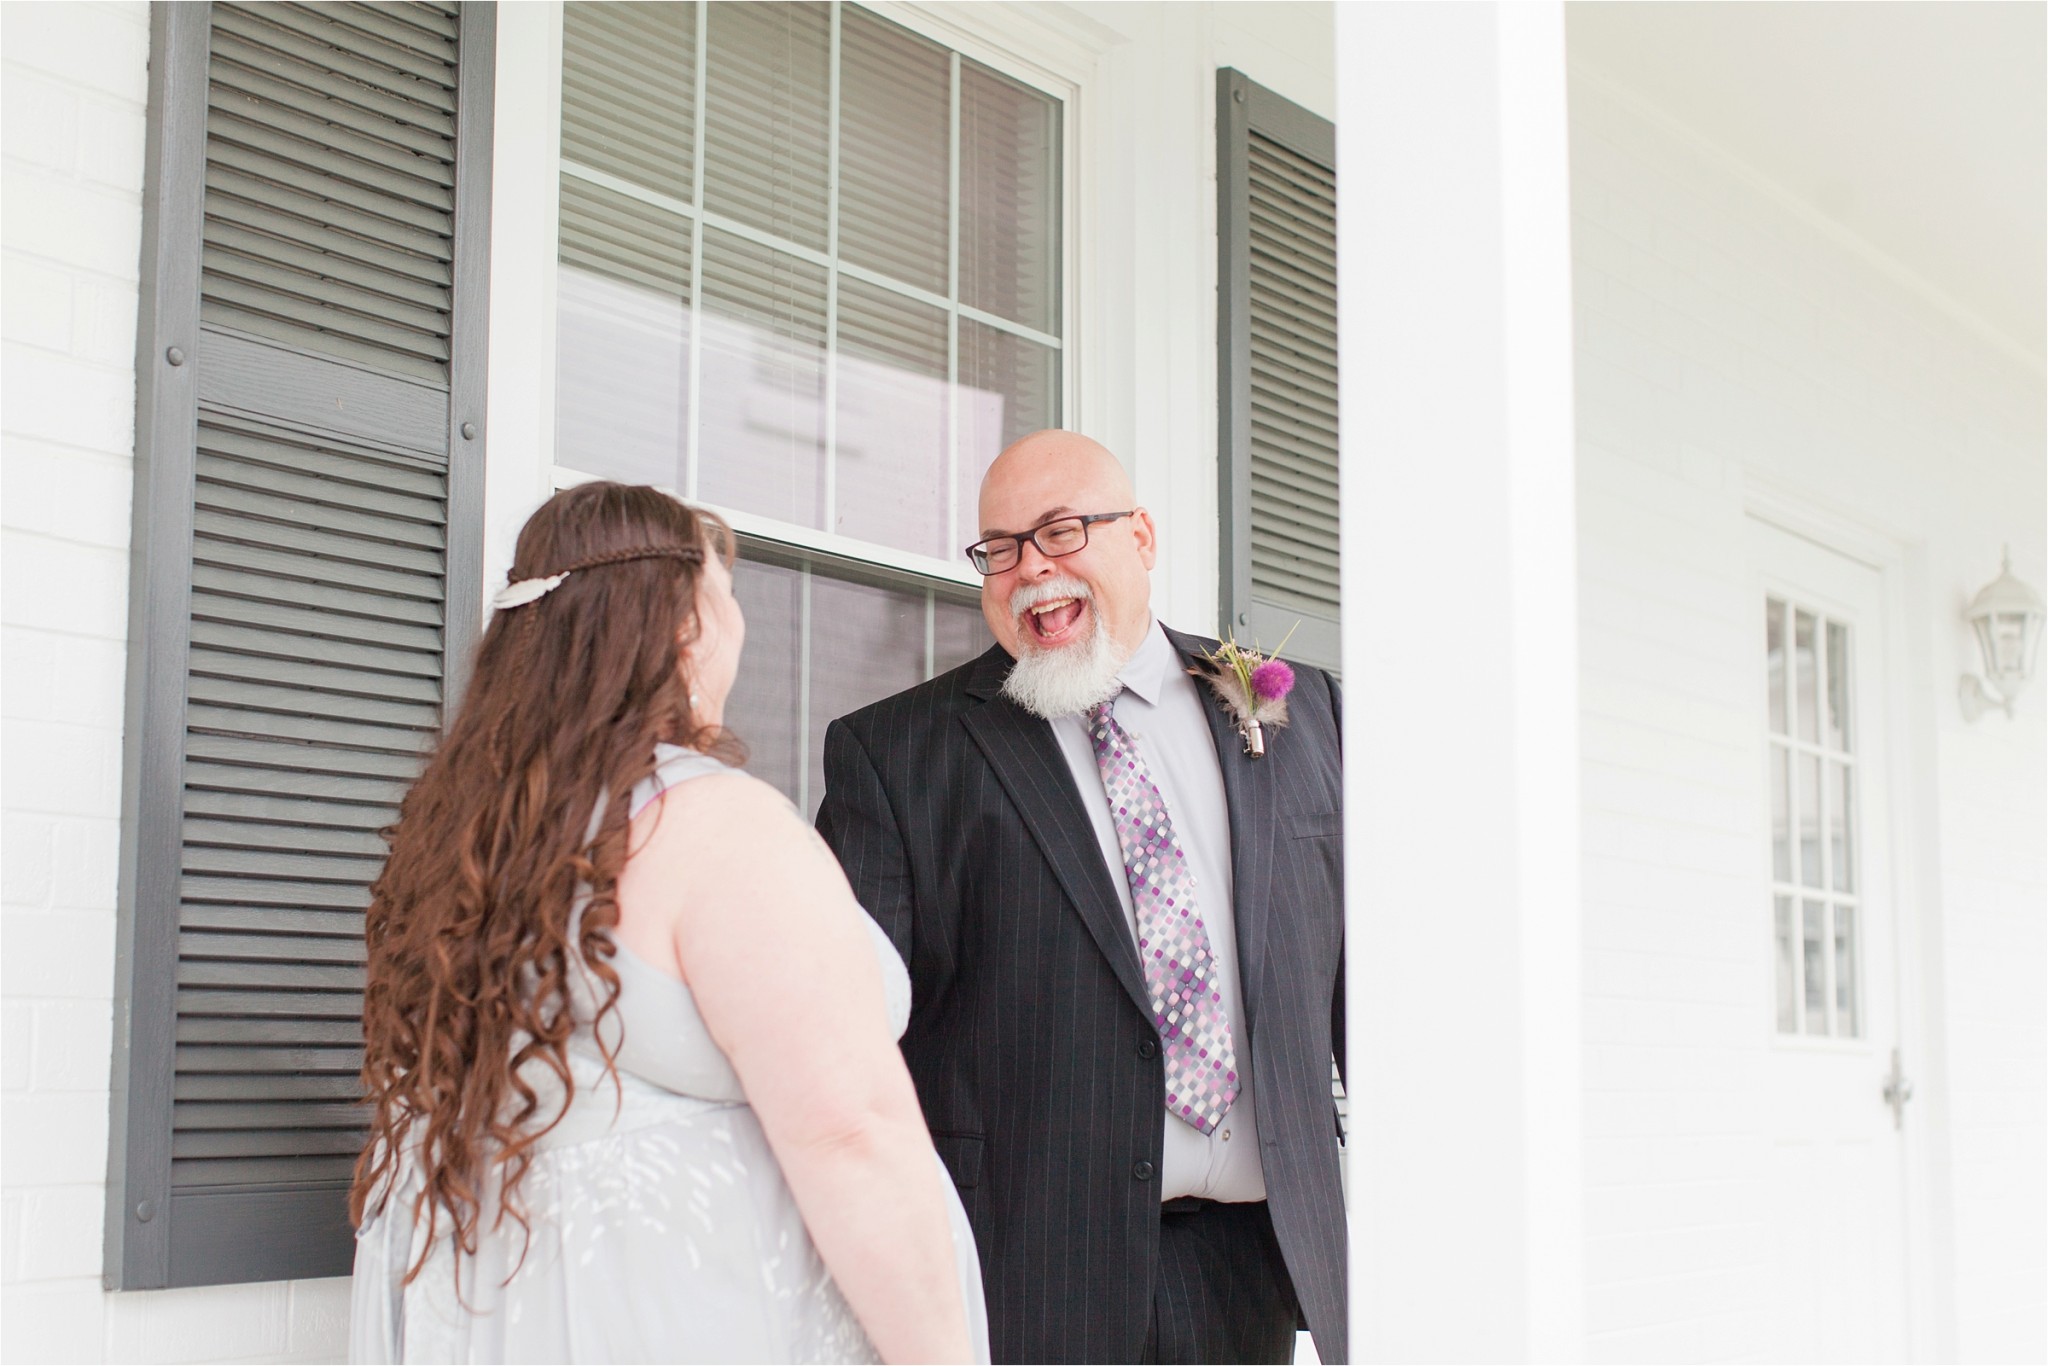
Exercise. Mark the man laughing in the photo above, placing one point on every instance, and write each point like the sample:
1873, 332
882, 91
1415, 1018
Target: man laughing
1125, 938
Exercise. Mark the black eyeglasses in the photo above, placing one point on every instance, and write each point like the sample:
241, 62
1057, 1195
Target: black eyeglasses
1064, 536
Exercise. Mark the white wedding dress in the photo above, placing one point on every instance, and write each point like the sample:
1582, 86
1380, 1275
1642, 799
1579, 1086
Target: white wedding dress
662, 1228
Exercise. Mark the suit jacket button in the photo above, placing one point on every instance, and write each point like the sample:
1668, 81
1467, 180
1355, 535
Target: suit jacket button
1142, 1171
1147, 1047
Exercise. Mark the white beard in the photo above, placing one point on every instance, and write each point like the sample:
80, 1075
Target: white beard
1066, 681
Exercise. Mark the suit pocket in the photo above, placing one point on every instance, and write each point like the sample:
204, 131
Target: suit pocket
1311, 824
962, 1155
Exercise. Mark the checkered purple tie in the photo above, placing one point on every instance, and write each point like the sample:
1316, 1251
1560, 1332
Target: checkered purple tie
1180, 971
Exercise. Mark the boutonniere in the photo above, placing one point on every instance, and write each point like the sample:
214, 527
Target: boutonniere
1253, 687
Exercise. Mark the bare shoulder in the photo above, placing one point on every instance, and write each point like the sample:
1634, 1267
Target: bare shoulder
722, 816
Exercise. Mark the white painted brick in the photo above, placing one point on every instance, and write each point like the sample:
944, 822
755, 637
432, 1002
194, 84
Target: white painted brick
58, 954
17, 1046
62, 1234
35, 303
55, 1139
75, 680
88, 875
60, 400
62, 770
11, 1207
104, 321
89, 226
75, 1043
104, 47
62, 1321
110, 143
38, 120
206, 1323
63, 586
72, 495
29, 844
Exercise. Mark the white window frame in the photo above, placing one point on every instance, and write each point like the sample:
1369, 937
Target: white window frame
1024, 51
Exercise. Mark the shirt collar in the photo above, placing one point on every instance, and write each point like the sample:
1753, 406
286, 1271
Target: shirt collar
1146, 671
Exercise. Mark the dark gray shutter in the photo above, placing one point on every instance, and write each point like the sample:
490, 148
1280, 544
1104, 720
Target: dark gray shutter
1277, 369
309, 464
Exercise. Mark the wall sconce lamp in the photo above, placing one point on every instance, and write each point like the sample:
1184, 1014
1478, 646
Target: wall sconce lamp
2006, 617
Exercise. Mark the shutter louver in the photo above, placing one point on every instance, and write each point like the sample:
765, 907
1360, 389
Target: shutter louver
1278, 368
328, 540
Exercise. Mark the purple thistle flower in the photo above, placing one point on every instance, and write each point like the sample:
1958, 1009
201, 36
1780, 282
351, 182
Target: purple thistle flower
1272, 680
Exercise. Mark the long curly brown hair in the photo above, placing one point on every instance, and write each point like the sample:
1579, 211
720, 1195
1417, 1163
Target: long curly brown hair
469, 925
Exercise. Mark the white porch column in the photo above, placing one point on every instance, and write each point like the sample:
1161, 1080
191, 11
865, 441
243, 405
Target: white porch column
1460, 657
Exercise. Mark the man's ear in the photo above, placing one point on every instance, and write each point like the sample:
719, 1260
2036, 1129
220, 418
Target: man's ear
1146, 536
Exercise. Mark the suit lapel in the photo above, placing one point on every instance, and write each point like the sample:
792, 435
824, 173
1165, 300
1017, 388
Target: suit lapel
1248, 791
1028, 763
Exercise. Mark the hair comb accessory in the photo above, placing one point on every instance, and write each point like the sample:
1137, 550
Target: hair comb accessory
525, 591
522, 591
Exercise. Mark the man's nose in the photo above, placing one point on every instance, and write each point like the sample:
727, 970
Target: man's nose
1033, 564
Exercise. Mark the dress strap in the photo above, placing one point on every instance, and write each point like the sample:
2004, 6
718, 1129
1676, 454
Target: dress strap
673, 765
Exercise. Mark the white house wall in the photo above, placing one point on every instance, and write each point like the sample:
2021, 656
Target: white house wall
1728, 342
75, 87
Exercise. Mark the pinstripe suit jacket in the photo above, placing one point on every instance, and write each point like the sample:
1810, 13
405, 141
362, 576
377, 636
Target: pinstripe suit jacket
1030, 1041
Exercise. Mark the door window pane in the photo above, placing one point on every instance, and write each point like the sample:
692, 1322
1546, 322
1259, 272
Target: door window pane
1807, 668
1781, 813
1842, 827
1809, 821
1838, 686
1814, 946
1788, 966
1845, 971
1774, 656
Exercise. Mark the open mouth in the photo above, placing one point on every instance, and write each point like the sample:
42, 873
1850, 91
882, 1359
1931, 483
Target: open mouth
1055, 622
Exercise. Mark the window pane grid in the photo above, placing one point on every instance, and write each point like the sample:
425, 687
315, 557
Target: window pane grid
1812, 822
780, 84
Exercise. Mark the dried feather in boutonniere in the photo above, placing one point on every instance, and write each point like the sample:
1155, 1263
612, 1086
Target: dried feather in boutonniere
1253, 686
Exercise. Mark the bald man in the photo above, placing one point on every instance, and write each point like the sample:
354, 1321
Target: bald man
1125, 936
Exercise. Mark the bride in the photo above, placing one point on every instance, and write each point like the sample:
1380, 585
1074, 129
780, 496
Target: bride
629, 1041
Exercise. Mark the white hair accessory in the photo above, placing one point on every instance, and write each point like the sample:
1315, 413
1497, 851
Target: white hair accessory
526, 590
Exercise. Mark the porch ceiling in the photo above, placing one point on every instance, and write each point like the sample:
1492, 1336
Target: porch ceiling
1918, 127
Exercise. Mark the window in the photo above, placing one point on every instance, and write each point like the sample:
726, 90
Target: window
1277, 370
1814, 844
308, 507
810, 276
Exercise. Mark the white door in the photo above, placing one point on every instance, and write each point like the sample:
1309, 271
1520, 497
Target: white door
1837, 1195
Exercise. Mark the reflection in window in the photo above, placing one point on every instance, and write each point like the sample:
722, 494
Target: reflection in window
832, 301
824, 640
1814, 845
